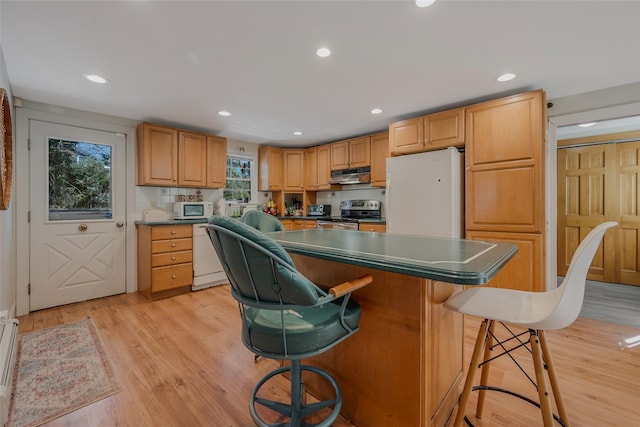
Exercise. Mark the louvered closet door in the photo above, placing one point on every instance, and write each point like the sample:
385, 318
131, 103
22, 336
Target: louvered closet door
598, 183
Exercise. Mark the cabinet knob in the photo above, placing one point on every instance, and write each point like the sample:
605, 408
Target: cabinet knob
173, 258
173, 245
173, 231
173, 277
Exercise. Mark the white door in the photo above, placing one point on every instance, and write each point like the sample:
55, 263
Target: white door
77, 205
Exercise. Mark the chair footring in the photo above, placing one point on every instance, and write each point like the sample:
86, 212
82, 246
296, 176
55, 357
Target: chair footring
296, 410
511, 393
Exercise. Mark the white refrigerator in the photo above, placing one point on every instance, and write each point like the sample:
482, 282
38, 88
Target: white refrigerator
425, 194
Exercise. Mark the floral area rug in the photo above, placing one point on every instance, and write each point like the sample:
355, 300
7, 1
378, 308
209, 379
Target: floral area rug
59, 370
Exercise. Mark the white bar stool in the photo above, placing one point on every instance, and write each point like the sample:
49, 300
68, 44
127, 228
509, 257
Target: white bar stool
536, 311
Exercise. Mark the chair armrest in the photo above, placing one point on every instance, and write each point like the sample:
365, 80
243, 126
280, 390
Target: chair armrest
348, 287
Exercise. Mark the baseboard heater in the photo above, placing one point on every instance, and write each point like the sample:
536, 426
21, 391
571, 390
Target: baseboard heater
8, 353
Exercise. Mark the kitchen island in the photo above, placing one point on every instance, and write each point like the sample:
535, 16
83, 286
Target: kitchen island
404, 366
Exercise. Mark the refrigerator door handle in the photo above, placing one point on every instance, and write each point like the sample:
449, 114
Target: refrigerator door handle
387, 197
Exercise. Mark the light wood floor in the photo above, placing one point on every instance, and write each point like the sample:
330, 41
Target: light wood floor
181, 363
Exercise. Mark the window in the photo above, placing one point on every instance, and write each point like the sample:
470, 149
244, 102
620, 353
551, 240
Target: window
239, 176
79, 180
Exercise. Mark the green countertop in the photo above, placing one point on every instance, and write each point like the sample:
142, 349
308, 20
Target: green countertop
469, 262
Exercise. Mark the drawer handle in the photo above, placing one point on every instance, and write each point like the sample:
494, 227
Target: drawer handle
173, 231
173, 245
173, 258
173, 277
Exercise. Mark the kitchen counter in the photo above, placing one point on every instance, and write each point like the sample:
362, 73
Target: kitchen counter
460, 261
173, 222
405, 365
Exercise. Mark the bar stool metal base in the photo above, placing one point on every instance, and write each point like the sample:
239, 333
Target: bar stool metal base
296, 410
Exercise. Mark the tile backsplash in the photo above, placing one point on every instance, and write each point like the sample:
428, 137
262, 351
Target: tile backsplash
163, 197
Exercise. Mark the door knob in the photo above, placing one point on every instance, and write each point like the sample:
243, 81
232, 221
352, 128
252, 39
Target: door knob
82, 227
119, 224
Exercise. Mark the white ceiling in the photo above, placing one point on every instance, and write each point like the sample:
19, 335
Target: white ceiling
180, 62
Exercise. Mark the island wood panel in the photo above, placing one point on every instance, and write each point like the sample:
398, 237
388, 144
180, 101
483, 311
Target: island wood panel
387, 370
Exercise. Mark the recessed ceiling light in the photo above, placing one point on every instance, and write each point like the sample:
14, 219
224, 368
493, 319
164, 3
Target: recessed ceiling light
376, 111
323, 52
297, 133
424, 3
587, 125
506, 77
95, 78
224, 113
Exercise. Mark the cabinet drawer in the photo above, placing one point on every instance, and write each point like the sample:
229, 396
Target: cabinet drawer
379, 228
171, 258
171, 232
173, 245
163, 278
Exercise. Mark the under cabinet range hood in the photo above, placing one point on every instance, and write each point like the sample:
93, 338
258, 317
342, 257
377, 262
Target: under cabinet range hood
351, 176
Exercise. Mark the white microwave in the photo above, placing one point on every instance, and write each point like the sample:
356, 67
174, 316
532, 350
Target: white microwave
192, 210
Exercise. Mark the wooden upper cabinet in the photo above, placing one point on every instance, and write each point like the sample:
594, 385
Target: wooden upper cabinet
352, 153
324, 168
311, 169
169, 157
360, 152
407, 136
431, 132
445, 129
157, 155
293, 170
505, 164
340, 155
379, 154
192, 156
216, 162
270, 169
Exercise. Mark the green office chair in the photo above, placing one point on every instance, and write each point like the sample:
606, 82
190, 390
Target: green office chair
285, 316
262, 221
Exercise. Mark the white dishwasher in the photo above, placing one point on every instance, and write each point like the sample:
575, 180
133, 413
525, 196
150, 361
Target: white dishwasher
207, 269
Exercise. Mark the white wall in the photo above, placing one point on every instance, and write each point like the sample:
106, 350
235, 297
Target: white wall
7, 221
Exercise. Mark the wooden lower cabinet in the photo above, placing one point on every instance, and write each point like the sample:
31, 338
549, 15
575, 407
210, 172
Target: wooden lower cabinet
525, 271
377, 227
405, 364
165, 259
298, 224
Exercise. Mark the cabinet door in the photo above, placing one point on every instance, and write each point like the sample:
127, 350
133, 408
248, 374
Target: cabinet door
311, 169
192, 156
360, 152
216, 162
445, 129
271, 169
339, 155
525, 271
157, 155
379, 154
293, 170
324, 167
406, 136
378, 228
505, 164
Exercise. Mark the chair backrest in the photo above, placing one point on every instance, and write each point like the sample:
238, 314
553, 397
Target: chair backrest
262, 221
571, 289
260, 271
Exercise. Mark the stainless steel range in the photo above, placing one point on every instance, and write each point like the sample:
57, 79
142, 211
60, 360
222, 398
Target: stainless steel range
352, 211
